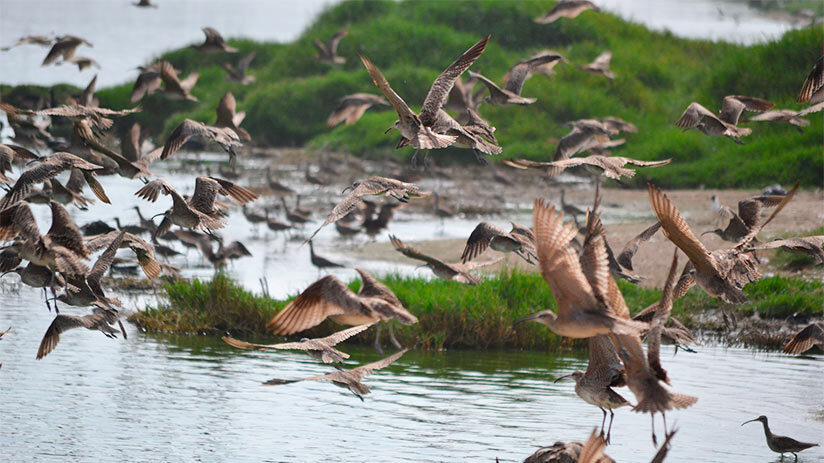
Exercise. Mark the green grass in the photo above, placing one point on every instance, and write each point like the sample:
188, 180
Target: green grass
452, 315
412, 42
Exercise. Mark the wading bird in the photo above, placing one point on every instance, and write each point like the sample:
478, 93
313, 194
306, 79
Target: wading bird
781, 444
214, 42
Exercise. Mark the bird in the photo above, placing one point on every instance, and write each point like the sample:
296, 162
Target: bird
373, 225
810, 245
519, 240
328, 52
448, 271
610, 166
227, 116
64, 47
443, 211
789, 116
42, 40
624, 258
371, 186
351, 107
72, 191
585, 135
518, 74
813, 89
573, 452
546, 69
570, 209
199, 212
329, 297
147, 82
13, 154
804, 340
320, 348
721, 273
82, 62
223, 136
580, 314
600, 65
567, 9
726, 122
145, 4
319, 261
350, 379
293, 216
604, 371
173, 87
219, 258
144, 251
86, 97
36, 276
214, 42
238, 73
749, 214
100, 319
781, 444
84, 290
275, 186
416, 128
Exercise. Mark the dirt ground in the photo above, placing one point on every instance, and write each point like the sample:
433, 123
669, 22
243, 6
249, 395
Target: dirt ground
626, 212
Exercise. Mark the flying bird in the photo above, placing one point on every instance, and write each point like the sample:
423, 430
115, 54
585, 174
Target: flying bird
223, 136
214, 42
351, 107
447, 271
517, 75
328, 52
600, 65
566, 9
320, 348
726, 122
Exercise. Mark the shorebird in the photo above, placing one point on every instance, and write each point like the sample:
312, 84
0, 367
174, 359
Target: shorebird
72, 191
726, 123
82, 62
147, 82
747, 218
199, 212
97, 118
84, 290
371, 186
572, 452
721, 273
790, 116
12, 154
227, 116
42, 40
275, 186
804, 340
781, 444
314, 179
350, 379
566, 9
624, 258
328, 52
320, 348
219, 258
143, 250
610, 166
35, 276
49, 167
319, 261
100, 319
86, 97
810, 245
64, 47
586, 134
174, 88
448, 271
600, 65
145, 4
351, 107
813, 89
293, 216
238, 73
519, 240
331, 298
373, 225
604, 371
570, 209
417, 128
441, 210
547, 69
145, 223
214, 42
223, 136
518, 74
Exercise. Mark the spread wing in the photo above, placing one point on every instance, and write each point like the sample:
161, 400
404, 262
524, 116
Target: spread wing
658, 321
626, 255
61, 323
181, 134
334, 40
804, 340
226, 108
413, 253
203, 198
734, 105
325, 297
102, 264
519, 73
64, 231
693, 115
383, 85
443, 84
479, 240
814, 81
678, 231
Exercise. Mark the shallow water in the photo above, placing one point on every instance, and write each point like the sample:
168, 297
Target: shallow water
179, 398
115, 26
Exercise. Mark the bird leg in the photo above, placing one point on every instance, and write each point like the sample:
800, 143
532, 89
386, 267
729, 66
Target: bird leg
609, 431
54, 294
378, 339
46, 297
604, 420
664, 417
654, 439
479, 157
392, 338
414, 160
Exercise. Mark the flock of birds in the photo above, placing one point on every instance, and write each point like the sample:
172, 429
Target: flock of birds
576, 261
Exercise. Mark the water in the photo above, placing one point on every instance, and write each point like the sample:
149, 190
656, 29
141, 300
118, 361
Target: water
116, 26
166, 398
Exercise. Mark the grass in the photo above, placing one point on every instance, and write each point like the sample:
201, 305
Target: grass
452, 315
412, 42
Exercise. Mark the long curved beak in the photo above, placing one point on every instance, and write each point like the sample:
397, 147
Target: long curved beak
562, 377
742, 424
346, 189
156, 215
708, 231
420, 266
387, 130
525, 319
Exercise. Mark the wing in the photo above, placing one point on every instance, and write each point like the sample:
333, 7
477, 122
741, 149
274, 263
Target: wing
343, 335
559, 262
366, 370
602, 61
332, 43
64, 231
812, 109
581, 138
813, 82
383, 85
130, 143
325, 297
226, 108
805, 339
479, 240
170, 79
151, 191
413, 253
693, 115
476, 265
147, 82
492, 86
102, 264
520, 72
44, 171
340, 210
626, 255
745, 241
811, 245
181, 134
236, 192
734, 105
61, 323
243, 63
64, 48
658, 321
17, 220
443, 84
593, 449
203, 198
678, 231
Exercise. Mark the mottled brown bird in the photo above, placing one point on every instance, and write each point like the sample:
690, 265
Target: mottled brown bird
100, 319
144, 251
804, 340
517, 75
726, 122
610, 166
810, 245
223, 136
519, 240
214, 42
46, 169
566, 9
320, 348
239, 73
328, 52
781, 444
813, 89
64, 47
351, 107
747, 218
448, 271
601, 65
228, 116
173, 87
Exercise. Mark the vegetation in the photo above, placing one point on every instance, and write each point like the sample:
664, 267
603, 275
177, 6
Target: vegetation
453, 315
658, 76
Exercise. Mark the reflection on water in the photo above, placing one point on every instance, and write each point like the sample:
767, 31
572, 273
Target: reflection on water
178, 398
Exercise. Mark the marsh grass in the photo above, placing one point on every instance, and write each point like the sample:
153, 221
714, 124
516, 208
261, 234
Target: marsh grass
452, 315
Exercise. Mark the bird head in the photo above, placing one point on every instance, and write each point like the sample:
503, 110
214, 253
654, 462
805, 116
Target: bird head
352, 187
575, 375
547, 317
761, 418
